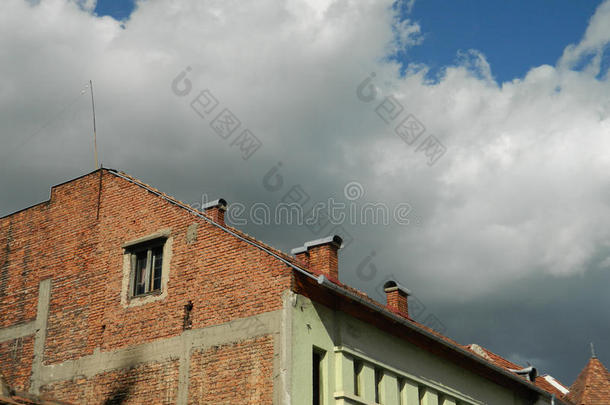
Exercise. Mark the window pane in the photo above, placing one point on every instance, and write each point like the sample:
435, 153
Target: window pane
157, 266
139, 284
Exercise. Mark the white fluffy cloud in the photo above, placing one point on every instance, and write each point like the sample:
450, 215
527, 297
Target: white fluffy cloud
593, 43
521, 189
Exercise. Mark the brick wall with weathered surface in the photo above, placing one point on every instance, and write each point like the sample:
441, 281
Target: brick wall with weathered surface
150, 383
235, 373
16, 357
75, 240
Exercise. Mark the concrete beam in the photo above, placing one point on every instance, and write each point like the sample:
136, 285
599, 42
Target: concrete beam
174, 348
178, 347
42, 316
17, 331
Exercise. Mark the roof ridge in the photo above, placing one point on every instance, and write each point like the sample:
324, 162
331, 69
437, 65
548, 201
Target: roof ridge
187, 207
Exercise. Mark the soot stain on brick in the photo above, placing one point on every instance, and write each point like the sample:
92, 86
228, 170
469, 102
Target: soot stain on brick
123, 387
120, 393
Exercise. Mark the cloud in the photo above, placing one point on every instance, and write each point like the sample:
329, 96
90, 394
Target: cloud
592, 45
522, 187
521, 191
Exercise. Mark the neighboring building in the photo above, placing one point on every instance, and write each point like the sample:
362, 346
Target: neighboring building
592, 387
113, 292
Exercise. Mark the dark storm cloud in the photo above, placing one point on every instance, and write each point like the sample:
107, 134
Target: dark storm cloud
506, 222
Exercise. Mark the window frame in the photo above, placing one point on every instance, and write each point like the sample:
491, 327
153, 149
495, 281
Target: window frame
151, 247
163, 237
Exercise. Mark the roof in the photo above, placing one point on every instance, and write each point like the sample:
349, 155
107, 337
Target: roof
592, 386
545, 382
492, 359
492, 362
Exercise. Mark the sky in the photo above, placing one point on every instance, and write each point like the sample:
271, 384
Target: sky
480, 127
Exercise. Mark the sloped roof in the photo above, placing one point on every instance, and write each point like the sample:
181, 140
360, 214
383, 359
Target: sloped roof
540, 382
592, 386
493, 360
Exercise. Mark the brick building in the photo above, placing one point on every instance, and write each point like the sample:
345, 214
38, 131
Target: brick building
113, 292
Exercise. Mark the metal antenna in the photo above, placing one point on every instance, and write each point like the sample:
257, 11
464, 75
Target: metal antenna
593, 356
97, 166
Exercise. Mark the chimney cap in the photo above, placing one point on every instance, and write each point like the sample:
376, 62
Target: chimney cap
221, 203
300, 249
392, 285
332, 239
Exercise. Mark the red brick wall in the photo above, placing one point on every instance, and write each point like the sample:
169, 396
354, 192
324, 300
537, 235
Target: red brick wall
22, 252
151, 383
16, 361
240, 373
223, 277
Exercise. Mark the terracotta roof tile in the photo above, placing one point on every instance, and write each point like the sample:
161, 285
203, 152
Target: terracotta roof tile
500, 361
592, 387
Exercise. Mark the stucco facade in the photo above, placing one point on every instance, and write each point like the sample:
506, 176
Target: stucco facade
410, 375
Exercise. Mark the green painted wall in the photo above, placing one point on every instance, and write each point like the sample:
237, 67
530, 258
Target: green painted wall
410, 375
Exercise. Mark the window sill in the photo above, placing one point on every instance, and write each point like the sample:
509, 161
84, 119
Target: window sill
148, 294
353, 398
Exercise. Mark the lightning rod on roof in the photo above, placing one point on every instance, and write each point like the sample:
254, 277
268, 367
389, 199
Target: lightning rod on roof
97, 166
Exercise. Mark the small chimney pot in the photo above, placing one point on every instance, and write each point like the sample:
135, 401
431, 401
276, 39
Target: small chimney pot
397, 298
215, 210
321, 256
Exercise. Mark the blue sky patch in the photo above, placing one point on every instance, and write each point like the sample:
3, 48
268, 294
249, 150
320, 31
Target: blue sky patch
118, 9
514, 36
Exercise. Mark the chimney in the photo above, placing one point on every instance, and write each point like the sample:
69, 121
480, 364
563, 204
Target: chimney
302, 255
215, 210
321, 255
397, 296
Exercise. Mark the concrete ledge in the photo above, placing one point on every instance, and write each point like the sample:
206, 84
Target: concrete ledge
17, 331
166, 349
353, 399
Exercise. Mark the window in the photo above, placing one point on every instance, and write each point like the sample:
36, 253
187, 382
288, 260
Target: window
318, 396
146, 267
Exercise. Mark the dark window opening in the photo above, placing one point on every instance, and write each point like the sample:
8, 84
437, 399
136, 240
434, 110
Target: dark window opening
187, 322
317, 377
378, 377
357, 377
147, 267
